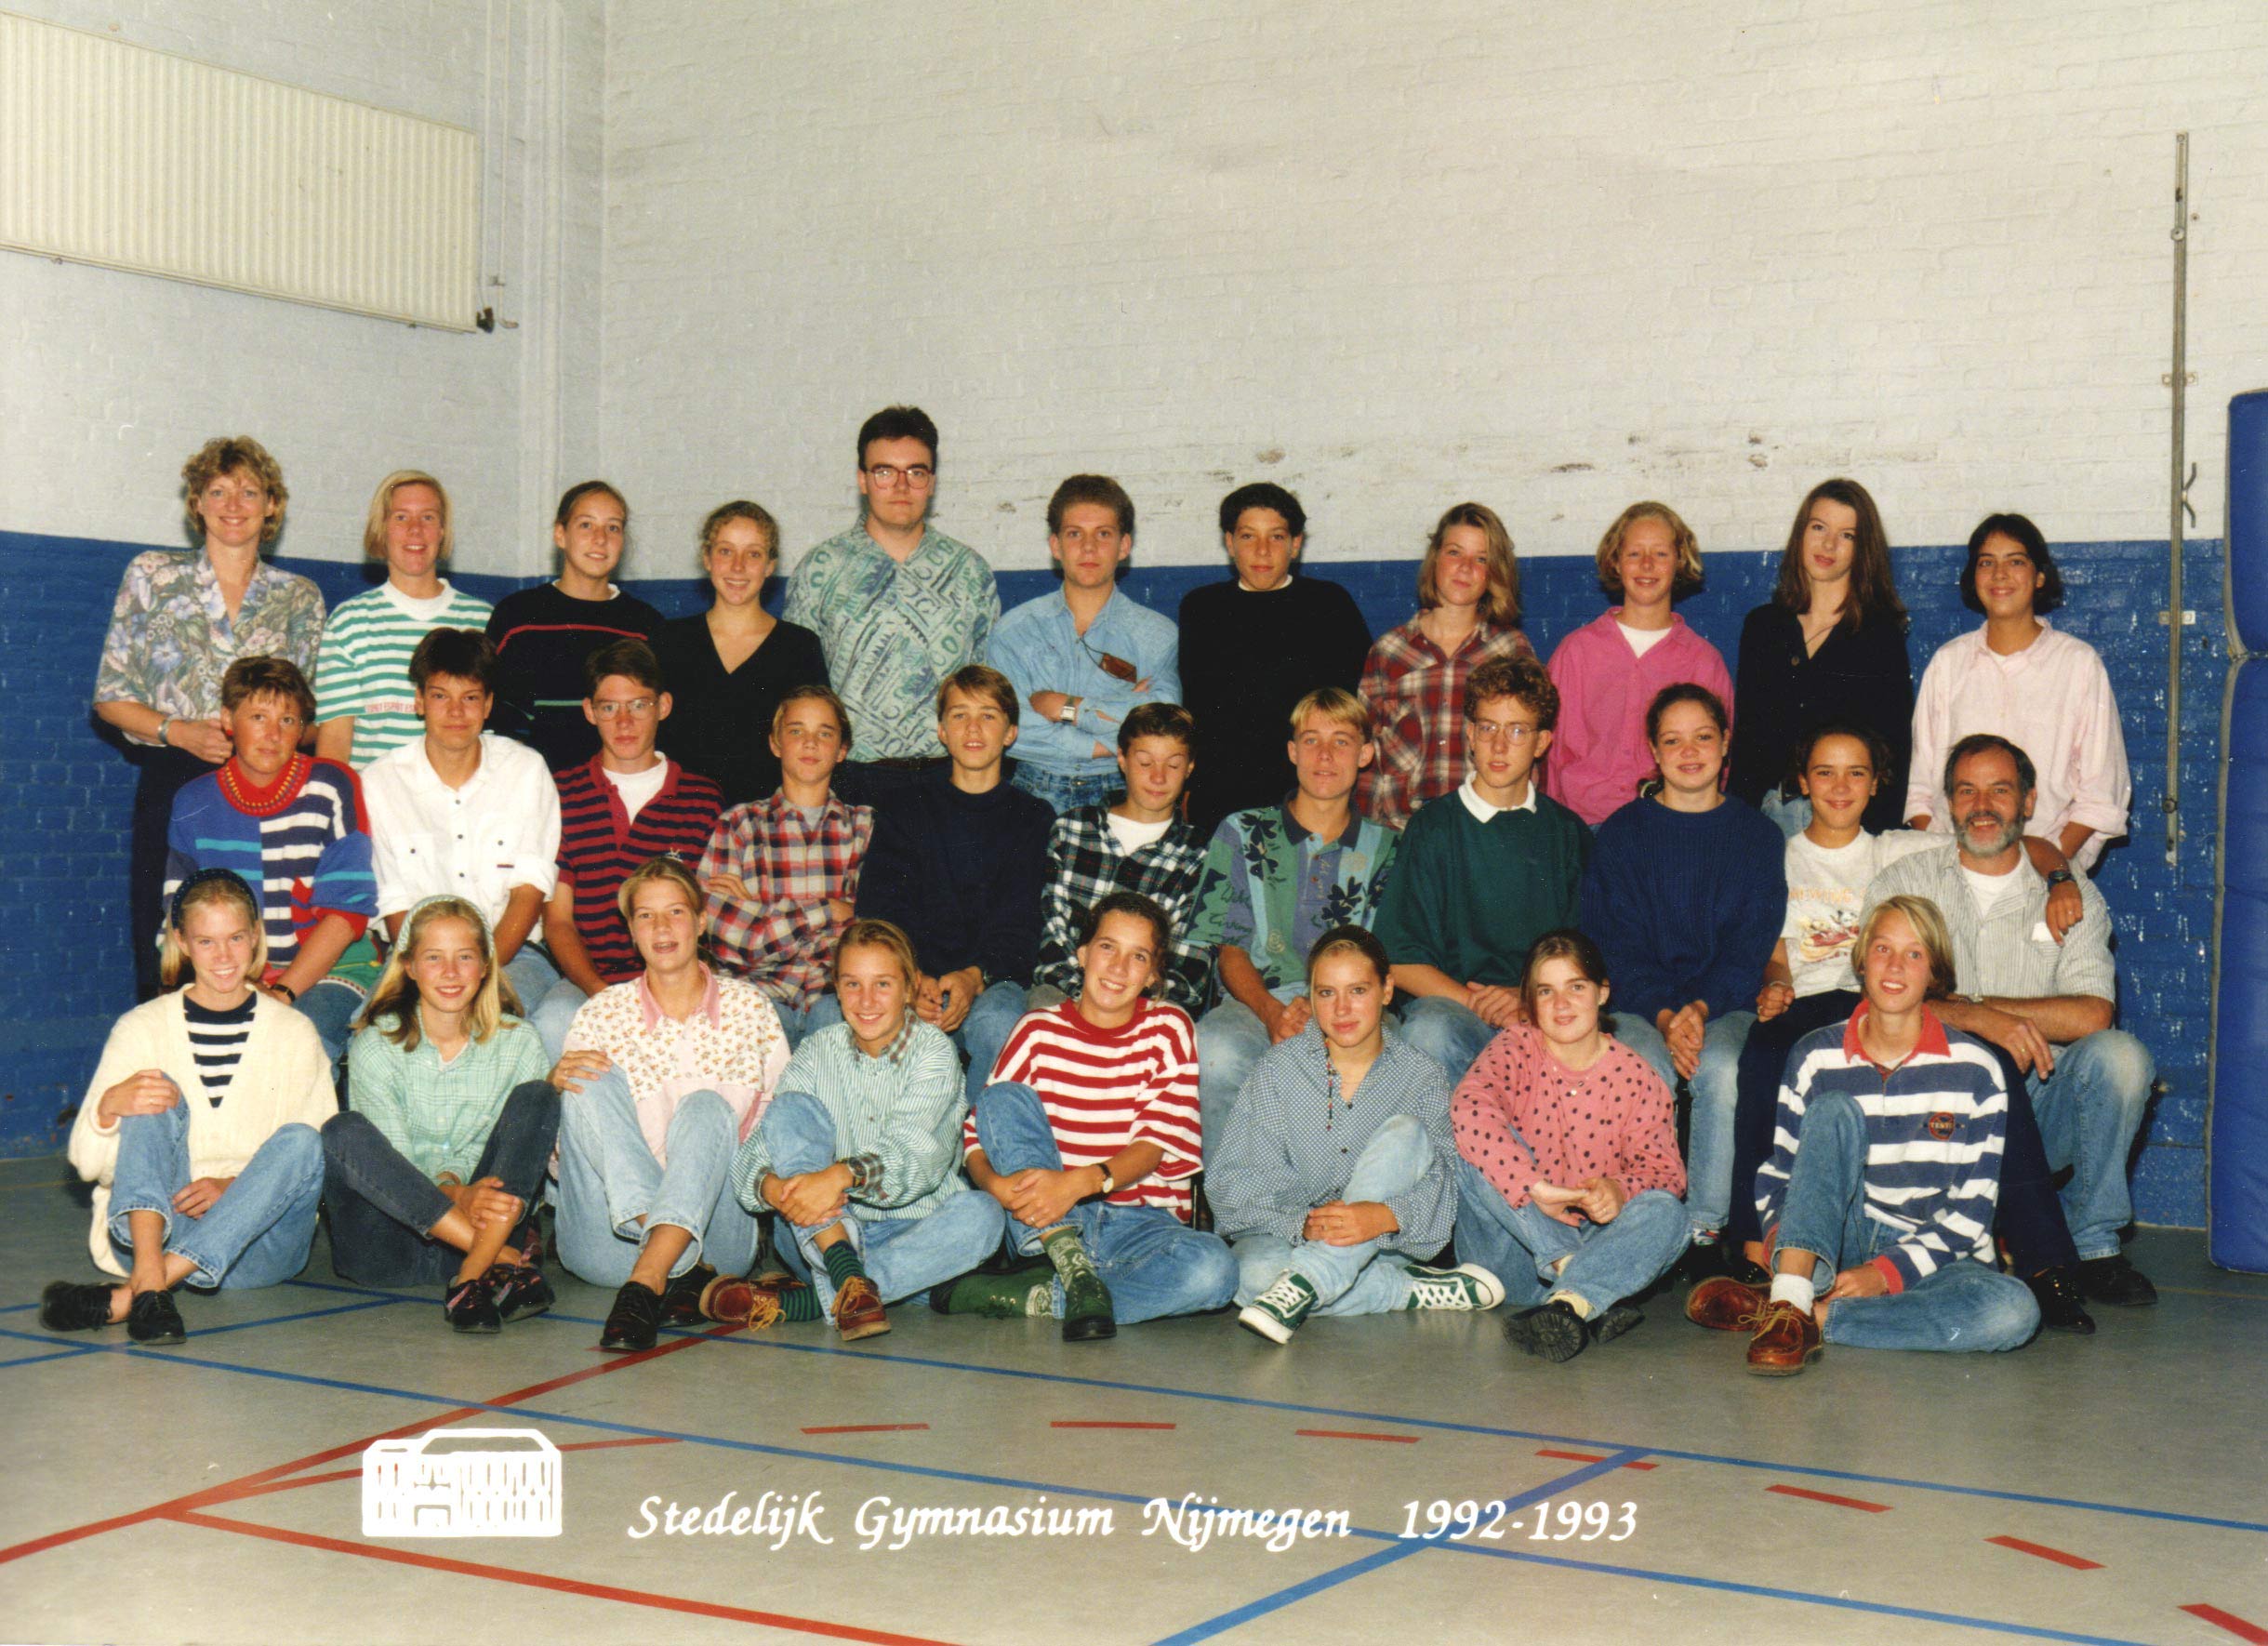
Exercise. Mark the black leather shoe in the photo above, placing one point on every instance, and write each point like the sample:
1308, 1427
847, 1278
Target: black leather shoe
681, 1305
2060, 1307
153, 1317
72, 1306
634, 1321
1609, 1324
2115, 1282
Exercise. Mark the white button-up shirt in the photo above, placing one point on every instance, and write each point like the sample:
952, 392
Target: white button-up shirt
2053, 700
500, 830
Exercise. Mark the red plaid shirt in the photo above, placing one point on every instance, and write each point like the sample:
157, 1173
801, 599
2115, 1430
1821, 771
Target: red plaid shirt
782, 936
1416, 694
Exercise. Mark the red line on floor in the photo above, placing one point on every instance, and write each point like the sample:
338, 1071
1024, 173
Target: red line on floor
625, 1440
1098, 1424
229, 1491
2076, 1563
565, 1586
2251, 1632
1856, 1502
863, 1429
1348, 1434
238, 1493
1585, 1457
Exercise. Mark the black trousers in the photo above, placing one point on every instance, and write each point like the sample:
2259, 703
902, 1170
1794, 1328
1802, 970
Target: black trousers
165, 772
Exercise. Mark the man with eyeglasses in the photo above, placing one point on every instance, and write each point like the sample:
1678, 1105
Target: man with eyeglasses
1482, 873
897, 606
1083, 657
627, 805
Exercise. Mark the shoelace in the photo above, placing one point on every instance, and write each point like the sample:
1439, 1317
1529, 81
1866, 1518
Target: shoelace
1284, 1296
1436, 1293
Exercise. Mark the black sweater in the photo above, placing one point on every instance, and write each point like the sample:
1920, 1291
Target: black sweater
1245, 659
719, 721
1780, 695
542, 638
961, 874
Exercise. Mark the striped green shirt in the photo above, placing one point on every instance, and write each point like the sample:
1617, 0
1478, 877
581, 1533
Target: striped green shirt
363, 669
438, 1115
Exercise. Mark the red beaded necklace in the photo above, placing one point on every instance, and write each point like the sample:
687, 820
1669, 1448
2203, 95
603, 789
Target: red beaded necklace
264, 802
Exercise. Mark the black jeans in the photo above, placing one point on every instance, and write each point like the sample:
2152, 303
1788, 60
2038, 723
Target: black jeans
381, 1205
2030, 1217
165, 772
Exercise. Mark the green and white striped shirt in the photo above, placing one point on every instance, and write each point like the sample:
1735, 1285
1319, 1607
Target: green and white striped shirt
363, 669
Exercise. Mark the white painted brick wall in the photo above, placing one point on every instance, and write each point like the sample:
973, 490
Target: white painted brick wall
1555, 257
113, 379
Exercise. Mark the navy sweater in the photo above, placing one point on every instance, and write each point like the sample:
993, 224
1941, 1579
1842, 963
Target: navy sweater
962, 875
1686, 904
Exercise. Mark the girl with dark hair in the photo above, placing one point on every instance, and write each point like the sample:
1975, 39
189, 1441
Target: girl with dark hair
543, 634
198, 1128
1569, 1179
1414, 679
2043, 690
730, 667
1685, 895
1829, 646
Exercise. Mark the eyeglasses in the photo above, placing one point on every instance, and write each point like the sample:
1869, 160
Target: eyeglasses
637, 709
1513, 732
920, 477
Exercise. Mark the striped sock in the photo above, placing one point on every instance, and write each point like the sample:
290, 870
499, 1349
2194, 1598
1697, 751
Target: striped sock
842, 1263
800, 1303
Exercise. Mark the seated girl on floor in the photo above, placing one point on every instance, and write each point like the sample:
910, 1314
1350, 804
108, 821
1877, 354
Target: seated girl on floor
198, 1129
1568, 1181
1336, 1177
1879, 1195
433, 1176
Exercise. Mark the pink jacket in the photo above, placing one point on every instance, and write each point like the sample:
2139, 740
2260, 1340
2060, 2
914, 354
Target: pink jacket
1599, 755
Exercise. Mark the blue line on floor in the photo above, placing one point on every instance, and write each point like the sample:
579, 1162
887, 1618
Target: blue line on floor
1356, 1569
60, 1354
1400, 1549
1801, 1597
305, 1314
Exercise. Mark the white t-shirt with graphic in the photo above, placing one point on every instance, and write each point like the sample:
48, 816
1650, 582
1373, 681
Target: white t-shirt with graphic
1826, 887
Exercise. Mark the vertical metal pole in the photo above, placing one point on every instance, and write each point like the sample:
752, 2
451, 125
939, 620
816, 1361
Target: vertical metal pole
2178, 501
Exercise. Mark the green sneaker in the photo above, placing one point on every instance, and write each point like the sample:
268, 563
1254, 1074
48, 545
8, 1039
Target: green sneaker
1466, 1286
995, 1297
1278, 1311
1088, 1315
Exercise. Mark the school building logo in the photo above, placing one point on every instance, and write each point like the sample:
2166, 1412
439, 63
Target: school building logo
464, 1482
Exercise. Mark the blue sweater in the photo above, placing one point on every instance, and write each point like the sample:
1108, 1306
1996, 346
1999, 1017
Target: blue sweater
961, 874
1686, 904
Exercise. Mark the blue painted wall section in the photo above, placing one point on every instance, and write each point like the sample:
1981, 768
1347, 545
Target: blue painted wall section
63, 810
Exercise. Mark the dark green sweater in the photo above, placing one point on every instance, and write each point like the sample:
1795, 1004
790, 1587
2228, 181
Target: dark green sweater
1472, 897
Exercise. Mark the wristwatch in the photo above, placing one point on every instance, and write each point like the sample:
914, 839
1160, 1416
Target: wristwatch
1068, 713
2062, 877
1110, 1184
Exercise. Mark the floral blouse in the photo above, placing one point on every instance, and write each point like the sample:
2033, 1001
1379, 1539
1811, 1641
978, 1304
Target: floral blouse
170, 639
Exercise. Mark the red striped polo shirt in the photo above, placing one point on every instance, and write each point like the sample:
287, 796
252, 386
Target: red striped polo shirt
600, 845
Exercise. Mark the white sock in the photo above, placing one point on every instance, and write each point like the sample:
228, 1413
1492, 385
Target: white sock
1795, 1289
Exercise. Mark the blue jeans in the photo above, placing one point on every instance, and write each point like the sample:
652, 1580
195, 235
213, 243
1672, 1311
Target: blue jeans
1449, 1031
330, 1005
1793, 816
612, 1189
1715, 1089
1358, 1280
2089, 1109
1963, 1305
1153, 1262
531, 975
902, 1255
1230, 1039
381, 1205
256, 1234
1603, 1262
1063, 793
799, 1023
985, 1031
552, 1016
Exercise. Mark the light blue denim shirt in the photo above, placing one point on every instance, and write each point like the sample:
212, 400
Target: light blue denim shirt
1039, 648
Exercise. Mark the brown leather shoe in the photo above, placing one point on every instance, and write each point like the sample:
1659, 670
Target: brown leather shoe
1787, 1341
740, 1300
1723, 1304
858, 1310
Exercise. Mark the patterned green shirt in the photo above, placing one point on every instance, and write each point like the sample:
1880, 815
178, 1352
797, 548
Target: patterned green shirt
891, 634
171, 639
1272, 889
438, 1115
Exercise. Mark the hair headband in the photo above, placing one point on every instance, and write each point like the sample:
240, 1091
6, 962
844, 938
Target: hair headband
205, 877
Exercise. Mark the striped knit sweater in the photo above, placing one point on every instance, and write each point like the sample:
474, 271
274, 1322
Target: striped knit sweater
1936, 1126
363, 670
1104, 1088
600, 843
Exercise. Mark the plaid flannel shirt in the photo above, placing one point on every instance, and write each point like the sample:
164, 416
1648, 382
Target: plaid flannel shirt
1416, 694
782, 937
1084, 864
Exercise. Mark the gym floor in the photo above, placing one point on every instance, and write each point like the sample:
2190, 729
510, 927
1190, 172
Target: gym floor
2111, 1489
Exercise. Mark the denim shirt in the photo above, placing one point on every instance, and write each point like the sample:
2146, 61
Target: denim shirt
1040, 649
